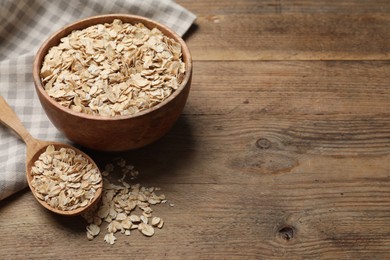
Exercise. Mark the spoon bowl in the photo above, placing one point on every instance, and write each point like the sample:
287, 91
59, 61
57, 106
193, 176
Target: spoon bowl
34, 149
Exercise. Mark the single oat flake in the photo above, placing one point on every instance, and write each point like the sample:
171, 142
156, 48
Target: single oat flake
146, 229
113, 69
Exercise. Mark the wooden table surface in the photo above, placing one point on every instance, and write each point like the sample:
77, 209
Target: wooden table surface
283, 150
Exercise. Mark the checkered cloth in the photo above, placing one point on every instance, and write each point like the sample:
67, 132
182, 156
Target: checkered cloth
24, 26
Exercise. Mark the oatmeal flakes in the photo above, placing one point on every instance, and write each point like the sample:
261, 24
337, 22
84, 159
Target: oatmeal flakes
146, 229
155, 221
119, 203
113, 69
65, 180
110, 238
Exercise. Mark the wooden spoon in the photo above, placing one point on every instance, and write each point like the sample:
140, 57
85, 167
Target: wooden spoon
35, 148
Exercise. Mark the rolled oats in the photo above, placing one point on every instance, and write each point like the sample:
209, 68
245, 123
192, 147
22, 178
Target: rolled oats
146, 229
135, 219
113, 69
64, 179
93, 229
155, 221
110, 238
160, 224
119, 204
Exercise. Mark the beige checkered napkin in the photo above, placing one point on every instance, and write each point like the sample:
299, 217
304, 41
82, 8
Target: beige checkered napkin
23, 27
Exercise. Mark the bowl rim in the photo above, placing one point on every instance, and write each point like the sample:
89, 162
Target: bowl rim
44, 48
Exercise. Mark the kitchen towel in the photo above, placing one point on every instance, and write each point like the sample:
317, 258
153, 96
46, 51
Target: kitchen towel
24, 25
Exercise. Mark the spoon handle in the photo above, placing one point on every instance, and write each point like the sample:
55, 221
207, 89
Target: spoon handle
9, 118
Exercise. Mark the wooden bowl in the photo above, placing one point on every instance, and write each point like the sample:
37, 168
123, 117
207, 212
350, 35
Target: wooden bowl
115, 133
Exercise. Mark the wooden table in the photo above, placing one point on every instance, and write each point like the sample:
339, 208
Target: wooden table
283, 150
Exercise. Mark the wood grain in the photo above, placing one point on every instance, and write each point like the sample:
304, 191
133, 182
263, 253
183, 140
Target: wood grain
290, 7
290, 30
282, 152
290, 87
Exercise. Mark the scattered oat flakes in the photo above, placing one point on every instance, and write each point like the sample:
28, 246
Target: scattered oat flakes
64, 179
113, 69
118, 206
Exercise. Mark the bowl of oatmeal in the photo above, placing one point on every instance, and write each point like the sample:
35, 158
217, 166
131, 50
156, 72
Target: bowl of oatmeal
113, 82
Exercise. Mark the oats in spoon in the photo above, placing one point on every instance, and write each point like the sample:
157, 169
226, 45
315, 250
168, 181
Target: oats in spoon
64, 179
